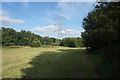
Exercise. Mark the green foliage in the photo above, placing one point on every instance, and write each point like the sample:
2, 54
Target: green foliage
35, 43
102, 34
23, 38
48, 41
102, 26
54, 44
80, 42
71, 42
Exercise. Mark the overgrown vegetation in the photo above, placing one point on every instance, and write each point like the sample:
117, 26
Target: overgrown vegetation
102, 35
35, 43
71, 42
10, 37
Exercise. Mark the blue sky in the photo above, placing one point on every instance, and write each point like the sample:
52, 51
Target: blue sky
41, 17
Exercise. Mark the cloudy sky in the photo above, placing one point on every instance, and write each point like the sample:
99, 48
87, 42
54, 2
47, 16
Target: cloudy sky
42, 17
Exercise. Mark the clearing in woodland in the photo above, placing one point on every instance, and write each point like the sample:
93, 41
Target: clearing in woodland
54, 62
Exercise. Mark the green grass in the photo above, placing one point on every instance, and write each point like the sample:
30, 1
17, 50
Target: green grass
106, 69
54, 62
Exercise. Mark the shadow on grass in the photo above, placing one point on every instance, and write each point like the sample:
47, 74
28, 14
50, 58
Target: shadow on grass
58, 64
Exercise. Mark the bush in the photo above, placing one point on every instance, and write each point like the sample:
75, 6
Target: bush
69, 42
54, 44
36, 43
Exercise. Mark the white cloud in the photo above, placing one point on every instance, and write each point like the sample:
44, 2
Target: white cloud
66, 10
3, 12
71, 32
53, 28
72, 10
62, 15
6, 19
45, 29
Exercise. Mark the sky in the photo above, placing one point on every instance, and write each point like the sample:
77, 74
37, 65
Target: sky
42, 18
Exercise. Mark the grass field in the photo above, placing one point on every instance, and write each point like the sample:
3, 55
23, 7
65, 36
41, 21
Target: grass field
54, 62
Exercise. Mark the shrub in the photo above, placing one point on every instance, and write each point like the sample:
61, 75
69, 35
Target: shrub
36, 43
54, 44
69, 42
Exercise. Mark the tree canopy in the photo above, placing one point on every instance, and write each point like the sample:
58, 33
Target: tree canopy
71, 42
102, 26
10, 37
102, 33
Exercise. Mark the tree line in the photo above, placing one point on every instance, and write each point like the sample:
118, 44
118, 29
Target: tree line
102, 33
10, 37
71, 42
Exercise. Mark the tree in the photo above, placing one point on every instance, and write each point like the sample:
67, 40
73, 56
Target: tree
102, 34
35, 43
8, 36
23, 38
101, 29
71, 42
